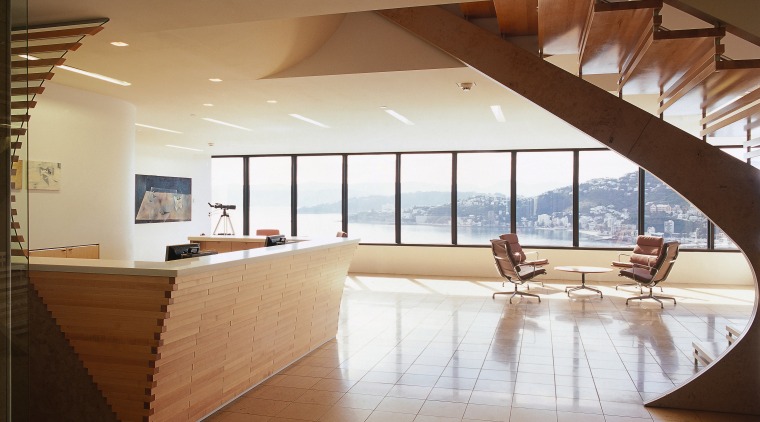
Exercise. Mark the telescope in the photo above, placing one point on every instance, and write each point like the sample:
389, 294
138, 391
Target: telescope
221, 207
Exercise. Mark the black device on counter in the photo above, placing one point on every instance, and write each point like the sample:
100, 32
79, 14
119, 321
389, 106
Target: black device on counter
187, 250
275, 239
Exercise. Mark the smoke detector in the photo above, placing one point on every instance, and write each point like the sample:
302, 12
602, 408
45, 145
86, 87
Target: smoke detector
466, 86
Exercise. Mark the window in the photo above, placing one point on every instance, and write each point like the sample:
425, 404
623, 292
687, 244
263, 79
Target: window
227, 189
545, 198
426, 198
609, 210
667, 214
270, 193
320, 186
721, 239
483, 191
608, 198
372, 198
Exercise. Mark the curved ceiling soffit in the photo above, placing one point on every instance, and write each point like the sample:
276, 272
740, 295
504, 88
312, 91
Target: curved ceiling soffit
300, 39
367, 43
722, 188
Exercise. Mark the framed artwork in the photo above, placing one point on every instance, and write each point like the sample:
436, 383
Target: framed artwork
44, 175
17, 175
162, 199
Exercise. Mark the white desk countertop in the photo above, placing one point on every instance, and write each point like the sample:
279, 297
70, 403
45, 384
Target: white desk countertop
186, 266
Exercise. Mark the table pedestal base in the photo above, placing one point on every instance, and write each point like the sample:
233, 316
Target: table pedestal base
583, 286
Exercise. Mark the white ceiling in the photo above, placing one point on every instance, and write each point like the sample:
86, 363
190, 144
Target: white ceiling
333, 61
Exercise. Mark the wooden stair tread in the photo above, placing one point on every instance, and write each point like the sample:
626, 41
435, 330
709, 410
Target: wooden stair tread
612, 32
478, 9
667, 58
22, 64
720, 82
46, 48
560, 24
56, 33
517, 17
706, 351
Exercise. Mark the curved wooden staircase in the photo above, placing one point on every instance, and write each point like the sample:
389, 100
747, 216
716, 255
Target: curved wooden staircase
722, 187
36, 53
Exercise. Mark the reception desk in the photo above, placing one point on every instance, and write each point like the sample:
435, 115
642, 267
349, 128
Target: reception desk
177, 340
233, 243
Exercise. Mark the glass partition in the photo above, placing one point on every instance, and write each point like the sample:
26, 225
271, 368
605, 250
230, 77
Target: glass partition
721, 239
269, 182
372, 198
668, 214
227, 189
320, 187
483, 195
426, 198
545, 198
608, 198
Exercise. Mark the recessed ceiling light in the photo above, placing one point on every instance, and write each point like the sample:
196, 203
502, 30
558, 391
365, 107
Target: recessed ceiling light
215, 79
399, 117
272, 101
95, 75
208, 104
466, 86
219, 122
119, 44
156, 128
24, 56
498, 113
308, 120
187, 148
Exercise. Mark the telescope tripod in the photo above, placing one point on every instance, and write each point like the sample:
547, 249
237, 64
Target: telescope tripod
227, 222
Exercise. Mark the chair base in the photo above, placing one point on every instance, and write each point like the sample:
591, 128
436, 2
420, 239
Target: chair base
527, 285
516, 293
641, 289
651, 296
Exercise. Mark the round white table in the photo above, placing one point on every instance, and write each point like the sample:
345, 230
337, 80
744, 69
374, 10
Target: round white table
583, 270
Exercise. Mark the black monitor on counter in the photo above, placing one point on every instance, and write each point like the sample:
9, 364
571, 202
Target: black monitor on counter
187, 250
275, 239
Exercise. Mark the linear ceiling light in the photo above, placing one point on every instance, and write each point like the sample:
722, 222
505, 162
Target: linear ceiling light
399, 117
498, 113
156, 128
219, 122
308, 120
189, 149
95, 75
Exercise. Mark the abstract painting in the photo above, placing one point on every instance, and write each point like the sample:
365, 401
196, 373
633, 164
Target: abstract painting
162, 199
44, 175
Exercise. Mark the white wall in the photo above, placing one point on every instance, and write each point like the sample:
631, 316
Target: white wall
724, 268
151, 238
93, 138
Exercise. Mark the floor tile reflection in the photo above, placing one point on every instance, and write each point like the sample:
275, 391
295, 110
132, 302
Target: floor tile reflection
425, 349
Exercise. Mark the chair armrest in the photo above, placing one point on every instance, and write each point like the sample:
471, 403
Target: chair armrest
622, 264
621, 255
537, 261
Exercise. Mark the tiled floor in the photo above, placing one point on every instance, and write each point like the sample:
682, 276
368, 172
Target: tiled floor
424, 349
